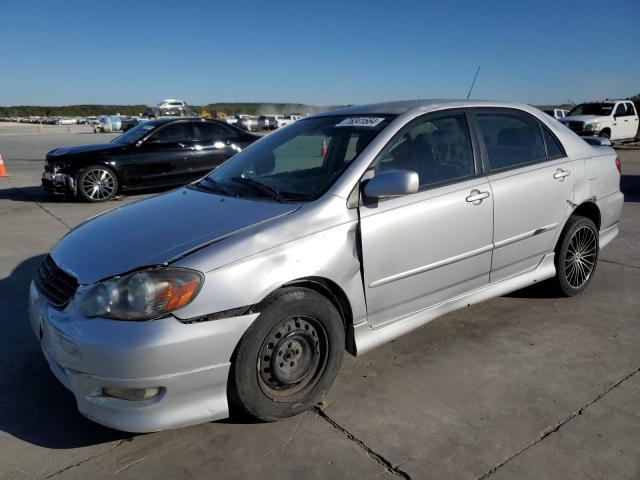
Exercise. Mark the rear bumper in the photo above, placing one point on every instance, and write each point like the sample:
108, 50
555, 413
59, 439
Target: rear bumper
610, 212
188, 363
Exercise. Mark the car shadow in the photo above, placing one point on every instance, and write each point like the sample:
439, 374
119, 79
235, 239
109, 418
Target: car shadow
37, 194
630, 186
34, 406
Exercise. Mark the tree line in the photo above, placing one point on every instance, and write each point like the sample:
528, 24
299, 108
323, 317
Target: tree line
133, 110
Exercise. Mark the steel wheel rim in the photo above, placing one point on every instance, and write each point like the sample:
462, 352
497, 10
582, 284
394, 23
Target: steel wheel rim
292, 358
98, 184
581, 257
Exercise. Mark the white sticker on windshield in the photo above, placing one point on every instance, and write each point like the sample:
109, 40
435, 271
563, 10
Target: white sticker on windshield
360, 122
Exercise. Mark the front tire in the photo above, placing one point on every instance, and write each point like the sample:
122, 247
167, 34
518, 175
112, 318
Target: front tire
97, 183
605, 134
289, 357
576, 256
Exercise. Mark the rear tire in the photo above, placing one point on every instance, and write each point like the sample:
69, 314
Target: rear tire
576, 256
289, 357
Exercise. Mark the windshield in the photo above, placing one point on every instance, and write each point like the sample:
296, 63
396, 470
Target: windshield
133, 135
299, 162
599, 109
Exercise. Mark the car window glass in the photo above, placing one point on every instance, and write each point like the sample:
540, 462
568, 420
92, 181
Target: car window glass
207, 132
175, 132
630, 109
621, 110
553, 147
437, 149
511, 139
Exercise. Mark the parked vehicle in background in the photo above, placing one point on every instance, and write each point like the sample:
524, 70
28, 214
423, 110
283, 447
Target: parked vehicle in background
67, 121
341, 232
248, 123
284, 120
267, 122
127, 123
613, 119
108, 124
231, 119
555, 112
170, 107
156, 153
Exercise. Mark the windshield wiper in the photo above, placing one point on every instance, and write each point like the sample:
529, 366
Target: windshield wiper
270, 191
211, 186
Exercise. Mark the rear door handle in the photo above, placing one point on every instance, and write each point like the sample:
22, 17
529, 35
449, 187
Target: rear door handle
476, 197
561, 174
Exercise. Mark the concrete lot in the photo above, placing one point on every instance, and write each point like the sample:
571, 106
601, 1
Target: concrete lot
524, 386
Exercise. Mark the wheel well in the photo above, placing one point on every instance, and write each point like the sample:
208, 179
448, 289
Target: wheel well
336, 295
589, 210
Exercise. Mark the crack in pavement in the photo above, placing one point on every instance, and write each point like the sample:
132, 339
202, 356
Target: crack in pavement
617, 263
554, 428
85, 460
39, 204
388, 466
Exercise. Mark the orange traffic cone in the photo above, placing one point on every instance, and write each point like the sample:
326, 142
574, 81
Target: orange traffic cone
323, 150
3, 169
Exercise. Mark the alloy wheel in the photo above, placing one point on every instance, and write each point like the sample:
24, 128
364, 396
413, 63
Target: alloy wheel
581, 256
98, 184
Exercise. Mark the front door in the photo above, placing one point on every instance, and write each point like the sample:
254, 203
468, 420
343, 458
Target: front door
164, 158
421, 249
532, 182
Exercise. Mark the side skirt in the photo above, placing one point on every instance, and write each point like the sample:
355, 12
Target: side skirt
367, 338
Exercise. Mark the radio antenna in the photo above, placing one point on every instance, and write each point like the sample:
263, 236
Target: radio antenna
473, 83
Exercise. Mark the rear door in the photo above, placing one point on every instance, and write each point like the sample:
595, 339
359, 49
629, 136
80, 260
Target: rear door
627, 120
532, 183
430, 246
213, 143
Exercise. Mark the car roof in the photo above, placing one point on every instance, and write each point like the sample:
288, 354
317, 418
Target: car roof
162, 121
404, 106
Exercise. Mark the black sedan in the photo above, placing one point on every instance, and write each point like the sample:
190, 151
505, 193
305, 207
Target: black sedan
158, 153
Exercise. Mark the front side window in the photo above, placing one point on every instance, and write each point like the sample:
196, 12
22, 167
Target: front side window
621, 110
511, 139
437, 149
172, 133
299, 162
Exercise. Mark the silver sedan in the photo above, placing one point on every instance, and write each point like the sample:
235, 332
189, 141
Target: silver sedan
340, 232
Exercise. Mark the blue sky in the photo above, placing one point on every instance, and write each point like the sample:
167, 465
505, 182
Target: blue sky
328, 52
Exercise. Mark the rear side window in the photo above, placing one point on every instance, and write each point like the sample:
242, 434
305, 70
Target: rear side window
553, 146
208, 132
511, 139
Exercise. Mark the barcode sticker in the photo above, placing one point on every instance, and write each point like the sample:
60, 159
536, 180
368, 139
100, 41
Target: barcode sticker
360, 122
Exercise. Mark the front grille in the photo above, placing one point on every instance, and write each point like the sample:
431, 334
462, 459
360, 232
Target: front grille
575, 126
57, 286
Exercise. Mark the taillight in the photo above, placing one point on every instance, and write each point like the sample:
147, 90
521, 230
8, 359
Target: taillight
618, 165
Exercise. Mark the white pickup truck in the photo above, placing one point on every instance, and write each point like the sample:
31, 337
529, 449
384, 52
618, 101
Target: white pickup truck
612, 119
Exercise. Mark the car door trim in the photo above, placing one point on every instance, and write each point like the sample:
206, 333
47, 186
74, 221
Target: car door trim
430, 266
523, 236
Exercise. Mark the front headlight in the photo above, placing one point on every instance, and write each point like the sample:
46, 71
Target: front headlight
592, 126
141, 295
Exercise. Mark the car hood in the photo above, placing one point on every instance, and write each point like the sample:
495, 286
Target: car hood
157, 230
96, 147
582, 118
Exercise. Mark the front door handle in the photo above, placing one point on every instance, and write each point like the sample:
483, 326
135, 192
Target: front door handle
561, 174
476, 197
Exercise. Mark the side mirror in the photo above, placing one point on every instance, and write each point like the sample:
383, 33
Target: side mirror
393, 183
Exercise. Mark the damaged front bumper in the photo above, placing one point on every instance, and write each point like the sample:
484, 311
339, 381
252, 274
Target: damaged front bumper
57, 182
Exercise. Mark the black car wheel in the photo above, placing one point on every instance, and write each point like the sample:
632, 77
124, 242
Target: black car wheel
289, 357
97, 184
